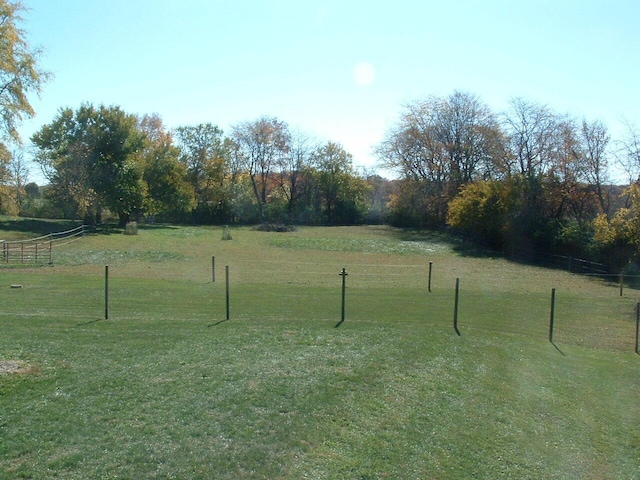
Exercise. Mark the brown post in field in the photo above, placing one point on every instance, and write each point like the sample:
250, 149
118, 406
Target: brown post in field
621, 281
213, 269
430, 268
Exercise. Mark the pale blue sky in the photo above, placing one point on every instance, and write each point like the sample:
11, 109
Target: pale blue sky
228, 61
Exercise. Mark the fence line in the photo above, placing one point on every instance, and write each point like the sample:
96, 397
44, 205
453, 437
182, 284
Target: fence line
38, 249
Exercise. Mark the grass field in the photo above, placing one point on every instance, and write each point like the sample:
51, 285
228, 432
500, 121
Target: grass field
168, 388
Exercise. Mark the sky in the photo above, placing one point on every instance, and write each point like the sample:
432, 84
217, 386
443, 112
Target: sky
335, 70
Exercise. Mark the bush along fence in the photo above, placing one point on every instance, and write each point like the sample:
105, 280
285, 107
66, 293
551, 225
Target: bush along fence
39, 249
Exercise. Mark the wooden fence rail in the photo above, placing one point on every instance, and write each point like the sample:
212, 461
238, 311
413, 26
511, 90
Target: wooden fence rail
37, 250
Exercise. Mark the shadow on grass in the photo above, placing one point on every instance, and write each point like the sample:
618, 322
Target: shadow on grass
558, 349
36, 227
114, 228
467, 246
90, 322
461, 245
217, 323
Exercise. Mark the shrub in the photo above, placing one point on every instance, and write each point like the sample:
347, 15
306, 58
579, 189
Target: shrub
274, 227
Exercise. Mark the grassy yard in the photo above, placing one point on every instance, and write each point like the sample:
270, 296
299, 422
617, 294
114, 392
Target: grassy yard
168, 388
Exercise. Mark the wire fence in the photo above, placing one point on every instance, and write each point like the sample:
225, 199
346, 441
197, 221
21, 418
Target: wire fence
491, 298
39, 249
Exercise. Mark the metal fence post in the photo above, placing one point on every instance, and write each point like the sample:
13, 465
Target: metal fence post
226, 270
343, 274
455, 307
553, 307
106, 292
637, 324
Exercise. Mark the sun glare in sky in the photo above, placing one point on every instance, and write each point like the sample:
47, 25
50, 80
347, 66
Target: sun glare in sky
363, 73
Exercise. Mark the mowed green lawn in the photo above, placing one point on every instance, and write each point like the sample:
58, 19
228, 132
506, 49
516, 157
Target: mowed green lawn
168, 388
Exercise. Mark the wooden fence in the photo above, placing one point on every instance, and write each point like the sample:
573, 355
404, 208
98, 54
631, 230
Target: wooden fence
40, 249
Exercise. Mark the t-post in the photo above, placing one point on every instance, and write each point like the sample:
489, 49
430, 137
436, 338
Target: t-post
343, 274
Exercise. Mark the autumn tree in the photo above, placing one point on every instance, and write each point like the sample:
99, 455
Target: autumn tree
628, 152
20, 74
293, 165
438, 145
619, 237
481, 209
8, 201
169, 194
595, 157
261, 147
530, 129
18, 176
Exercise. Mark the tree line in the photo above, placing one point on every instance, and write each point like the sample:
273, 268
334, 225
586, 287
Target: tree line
102, 159
525, 180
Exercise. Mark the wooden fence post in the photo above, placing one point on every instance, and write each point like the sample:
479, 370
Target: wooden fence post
621, 281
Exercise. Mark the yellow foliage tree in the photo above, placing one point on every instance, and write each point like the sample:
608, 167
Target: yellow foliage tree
620, 235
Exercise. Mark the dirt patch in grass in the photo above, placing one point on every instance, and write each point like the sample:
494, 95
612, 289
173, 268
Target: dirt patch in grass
12, 366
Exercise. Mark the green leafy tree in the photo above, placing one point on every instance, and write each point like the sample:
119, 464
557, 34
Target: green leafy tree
169, 194
204, 152
92, 157
341, 193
